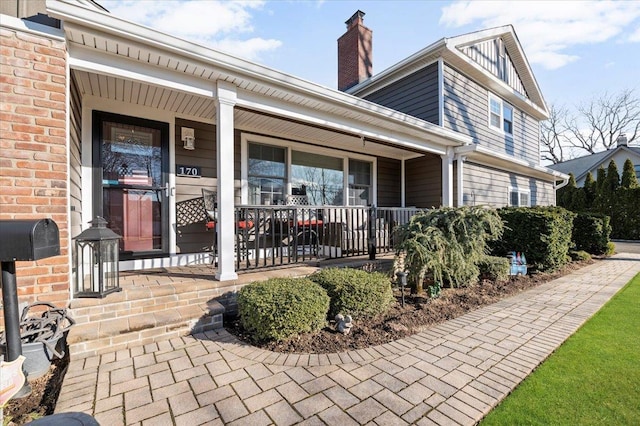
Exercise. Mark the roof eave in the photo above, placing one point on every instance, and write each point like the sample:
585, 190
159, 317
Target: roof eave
110, 24
506, 162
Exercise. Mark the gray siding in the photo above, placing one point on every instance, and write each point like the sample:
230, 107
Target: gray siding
488, 186
424, 181
388, 182
190, 220
487, 55
466, 110
416, 94
191, 234
75, 158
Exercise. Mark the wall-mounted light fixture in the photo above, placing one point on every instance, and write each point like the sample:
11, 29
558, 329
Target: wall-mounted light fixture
188, 138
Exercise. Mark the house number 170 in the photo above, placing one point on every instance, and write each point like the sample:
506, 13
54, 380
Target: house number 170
191, 171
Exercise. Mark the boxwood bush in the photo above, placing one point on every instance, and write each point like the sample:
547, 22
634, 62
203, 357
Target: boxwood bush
355, 292
591, 232
542, 233
494, 268
282, 307
579, 255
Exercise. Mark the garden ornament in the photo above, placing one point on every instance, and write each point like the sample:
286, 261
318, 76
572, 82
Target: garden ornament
344, 323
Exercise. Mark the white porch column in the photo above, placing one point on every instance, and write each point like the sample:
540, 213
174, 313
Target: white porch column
460, 177
403, 184
447, 178
225, 101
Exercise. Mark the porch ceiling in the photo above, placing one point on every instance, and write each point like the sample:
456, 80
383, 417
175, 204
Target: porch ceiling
201, 108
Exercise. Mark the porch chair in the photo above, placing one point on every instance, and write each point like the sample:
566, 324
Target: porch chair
306, 222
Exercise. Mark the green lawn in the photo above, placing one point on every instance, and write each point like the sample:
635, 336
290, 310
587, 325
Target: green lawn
592, 379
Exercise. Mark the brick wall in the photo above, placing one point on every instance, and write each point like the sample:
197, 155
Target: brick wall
33, 152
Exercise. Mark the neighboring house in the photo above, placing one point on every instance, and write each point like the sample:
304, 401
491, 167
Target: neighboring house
581, 166
104, 117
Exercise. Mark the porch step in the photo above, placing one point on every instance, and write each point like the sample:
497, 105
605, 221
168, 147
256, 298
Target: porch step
142, 315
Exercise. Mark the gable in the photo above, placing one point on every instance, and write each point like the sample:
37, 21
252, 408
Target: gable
493, 56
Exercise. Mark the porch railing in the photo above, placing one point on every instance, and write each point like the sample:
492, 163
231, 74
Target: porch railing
282, 235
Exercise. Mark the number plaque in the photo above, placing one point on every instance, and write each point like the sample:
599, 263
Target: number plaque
189, 171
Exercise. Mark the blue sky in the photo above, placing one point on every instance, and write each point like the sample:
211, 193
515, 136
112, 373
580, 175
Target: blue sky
577, 50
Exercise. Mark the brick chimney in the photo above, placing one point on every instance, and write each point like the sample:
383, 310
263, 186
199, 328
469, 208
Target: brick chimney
354, 53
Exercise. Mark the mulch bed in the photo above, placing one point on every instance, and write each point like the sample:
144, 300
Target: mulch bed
417, 314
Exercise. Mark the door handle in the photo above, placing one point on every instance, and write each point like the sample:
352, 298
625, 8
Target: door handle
169, 191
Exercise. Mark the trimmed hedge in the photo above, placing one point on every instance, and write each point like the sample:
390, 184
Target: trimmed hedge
579, 255
282, 307
591, 232
542, 233
355, 292
625, 214
494, 268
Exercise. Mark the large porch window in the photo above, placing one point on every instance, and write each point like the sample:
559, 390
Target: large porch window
325, 176
319, 177
359, 183
267, 174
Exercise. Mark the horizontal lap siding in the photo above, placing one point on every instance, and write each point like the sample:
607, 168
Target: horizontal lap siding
191, 233
75, 161
466, 110
424, 181
415, 95
192, 236
388, 182
488, 186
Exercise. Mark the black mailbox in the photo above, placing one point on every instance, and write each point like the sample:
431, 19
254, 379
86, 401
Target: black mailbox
28, 239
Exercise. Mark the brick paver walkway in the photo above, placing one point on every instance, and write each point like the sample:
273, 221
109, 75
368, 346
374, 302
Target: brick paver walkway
453, 373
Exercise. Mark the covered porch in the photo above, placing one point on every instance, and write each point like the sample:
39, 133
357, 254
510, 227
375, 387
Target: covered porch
157, 121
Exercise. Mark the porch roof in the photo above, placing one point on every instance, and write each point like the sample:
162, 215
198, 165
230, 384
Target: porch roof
174, 73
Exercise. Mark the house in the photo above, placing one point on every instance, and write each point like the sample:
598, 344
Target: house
581, 166
105, 117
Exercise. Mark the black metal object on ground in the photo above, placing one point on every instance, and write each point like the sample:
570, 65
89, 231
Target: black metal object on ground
21, 240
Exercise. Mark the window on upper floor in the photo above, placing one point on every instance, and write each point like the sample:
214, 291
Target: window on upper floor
500, 115
519, 197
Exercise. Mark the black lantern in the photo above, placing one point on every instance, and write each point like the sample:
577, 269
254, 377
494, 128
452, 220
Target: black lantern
97, 250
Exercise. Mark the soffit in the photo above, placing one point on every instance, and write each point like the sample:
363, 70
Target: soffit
200, 108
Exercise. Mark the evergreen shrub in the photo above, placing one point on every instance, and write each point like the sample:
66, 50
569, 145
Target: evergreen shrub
579, 255
591, 232
282, 307
625, 214
355, 292
494, 268
542, 233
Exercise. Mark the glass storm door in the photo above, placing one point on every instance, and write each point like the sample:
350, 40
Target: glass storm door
131, 183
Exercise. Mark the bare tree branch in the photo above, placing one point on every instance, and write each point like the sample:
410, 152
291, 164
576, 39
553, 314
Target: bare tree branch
552, 135
600, 121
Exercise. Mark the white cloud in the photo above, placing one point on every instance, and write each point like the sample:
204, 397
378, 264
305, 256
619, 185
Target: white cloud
635, 36
548, 30
249, 49
213, 23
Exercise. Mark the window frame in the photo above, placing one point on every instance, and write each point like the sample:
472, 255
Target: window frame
503, 105
520, 193
289, 146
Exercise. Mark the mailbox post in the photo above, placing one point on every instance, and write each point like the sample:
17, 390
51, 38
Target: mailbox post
22, 240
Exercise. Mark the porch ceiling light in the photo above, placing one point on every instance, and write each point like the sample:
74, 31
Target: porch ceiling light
188, 138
